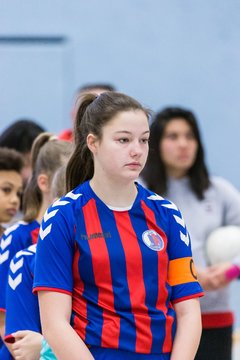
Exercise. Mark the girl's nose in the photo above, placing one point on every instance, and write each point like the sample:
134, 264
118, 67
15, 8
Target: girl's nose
15, 198
136, 149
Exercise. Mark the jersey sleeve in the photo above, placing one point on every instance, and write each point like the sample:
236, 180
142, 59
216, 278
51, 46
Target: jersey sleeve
22, 310
181, 273
55, 250
10, 245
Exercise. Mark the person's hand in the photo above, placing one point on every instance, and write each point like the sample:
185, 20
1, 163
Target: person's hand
27, 345
213, 277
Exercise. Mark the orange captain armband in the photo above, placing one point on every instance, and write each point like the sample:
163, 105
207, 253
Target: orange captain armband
181, 271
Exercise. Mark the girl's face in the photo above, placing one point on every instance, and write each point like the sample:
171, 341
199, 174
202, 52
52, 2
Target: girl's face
178, 147
122, 151
10, 194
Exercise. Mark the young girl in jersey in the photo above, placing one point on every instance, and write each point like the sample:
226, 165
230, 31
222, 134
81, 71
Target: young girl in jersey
11, 183
48, 154
114, 272
176, 169
22, 310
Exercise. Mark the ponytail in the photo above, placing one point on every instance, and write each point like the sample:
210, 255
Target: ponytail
80, 166
32, 197
47, 155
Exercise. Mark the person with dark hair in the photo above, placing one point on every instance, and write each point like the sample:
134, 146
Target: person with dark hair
114, 272
20, 136
176, 169
94, 88
22, 310
48, 154
11, 164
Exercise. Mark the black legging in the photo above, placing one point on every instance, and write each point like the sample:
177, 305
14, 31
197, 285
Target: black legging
215, 344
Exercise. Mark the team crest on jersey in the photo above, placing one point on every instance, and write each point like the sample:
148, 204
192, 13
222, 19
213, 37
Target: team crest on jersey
153, 240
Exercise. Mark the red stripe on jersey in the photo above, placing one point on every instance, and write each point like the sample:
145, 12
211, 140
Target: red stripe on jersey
102, 275
34, 235
163, 275
79, 304
45, 288
189, 297
135, 282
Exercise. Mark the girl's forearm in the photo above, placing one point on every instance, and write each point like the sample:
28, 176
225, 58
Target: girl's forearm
186, 341
66, 344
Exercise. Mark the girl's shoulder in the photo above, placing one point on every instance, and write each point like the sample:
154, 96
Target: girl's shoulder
221, 184
67, 201
24, 258
20, 229
156, 200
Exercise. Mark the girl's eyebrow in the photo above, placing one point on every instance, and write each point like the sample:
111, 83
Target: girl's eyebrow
129, 132
7, 183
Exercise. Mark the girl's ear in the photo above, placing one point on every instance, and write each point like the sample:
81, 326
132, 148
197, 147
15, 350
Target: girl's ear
92, 143
43, 183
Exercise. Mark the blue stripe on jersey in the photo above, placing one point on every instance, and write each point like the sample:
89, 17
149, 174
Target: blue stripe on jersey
110, 354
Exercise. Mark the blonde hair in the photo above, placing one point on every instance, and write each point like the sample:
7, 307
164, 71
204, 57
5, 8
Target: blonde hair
47, 155
58, 187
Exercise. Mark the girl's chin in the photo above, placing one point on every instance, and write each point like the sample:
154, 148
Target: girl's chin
6, 219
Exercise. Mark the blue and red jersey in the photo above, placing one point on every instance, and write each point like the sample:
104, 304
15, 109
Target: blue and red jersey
22, 309
17, 237
124, 269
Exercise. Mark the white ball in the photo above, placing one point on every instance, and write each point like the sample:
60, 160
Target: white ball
223, 244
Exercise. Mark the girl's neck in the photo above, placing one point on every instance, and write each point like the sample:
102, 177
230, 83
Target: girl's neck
176, 174
45, 204
113, 194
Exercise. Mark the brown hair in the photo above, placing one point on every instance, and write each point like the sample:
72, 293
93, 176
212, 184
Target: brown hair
154, 173
11, 160
47, 155
94, 112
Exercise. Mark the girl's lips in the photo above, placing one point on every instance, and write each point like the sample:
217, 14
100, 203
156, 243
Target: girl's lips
134, 165
11, 212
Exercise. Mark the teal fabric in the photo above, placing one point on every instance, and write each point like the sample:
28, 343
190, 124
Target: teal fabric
46, 352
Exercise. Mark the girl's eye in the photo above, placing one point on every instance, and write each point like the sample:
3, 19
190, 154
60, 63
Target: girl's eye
190, 136
145, 141
6, 190
123, 140
171, 136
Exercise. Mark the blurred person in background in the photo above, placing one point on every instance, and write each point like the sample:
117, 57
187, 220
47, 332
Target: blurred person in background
47, 155
11, 185
23, 327
176, 169
20, 136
